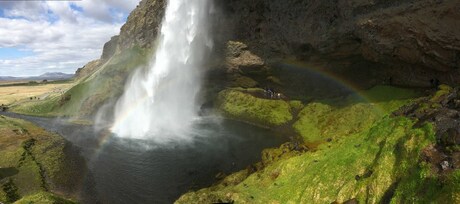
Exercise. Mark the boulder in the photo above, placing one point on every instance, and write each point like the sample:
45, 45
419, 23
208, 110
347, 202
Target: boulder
240, 59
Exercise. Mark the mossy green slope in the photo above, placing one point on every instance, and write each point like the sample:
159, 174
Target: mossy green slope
91, 92
320, 121
32, 160
372, 158
370, 166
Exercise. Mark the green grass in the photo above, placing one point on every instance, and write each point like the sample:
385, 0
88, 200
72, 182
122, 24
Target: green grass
39, 108
441, 93
264, 112
43, 198
372, 158
389, 93
308, 125
319, 121
364, 166
107, 83
422, 186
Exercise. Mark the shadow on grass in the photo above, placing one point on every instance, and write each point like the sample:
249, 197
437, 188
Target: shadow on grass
8, 172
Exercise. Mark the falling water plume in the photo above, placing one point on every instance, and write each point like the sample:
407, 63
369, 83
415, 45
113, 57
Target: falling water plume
160, 104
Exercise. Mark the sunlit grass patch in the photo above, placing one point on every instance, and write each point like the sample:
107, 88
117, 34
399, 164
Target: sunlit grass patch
44, 198
363, 166
319, 121
243, 106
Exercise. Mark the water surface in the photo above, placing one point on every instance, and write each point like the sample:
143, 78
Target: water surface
140, 171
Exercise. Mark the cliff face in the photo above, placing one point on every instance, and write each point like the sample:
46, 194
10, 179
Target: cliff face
143, 24
140, 30
409, 42
405, 42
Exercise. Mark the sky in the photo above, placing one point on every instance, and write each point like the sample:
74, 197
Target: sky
56, 36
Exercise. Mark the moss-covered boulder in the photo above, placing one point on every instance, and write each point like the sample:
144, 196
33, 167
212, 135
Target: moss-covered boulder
244, 105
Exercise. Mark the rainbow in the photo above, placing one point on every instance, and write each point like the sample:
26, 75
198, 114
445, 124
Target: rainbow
350, 86
106, 135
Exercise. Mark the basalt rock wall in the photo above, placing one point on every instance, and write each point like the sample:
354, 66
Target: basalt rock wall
404, 42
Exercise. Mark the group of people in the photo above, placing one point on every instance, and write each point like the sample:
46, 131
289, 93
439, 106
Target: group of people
271, 94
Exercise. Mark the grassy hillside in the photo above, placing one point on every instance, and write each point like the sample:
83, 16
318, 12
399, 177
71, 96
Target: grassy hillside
91, 92
363, 155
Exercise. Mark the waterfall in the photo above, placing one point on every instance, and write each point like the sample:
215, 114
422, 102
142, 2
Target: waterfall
160, 103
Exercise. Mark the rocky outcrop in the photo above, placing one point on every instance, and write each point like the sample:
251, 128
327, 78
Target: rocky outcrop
141, 30
143, 25
443, 111
88, 69
240, 59
110, 48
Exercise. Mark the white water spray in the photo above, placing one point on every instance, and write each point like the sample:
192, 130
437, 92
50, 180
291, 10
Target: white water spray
161, 103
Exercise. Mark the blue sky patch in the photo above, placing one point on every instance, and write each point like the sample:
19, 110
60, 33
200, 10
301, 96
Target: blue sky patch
74, 7
51, 17
115, 13
14, 53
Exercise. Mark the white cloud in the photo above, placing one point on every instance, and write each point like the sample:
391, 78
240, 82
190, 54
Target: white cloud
60, 37
34, 10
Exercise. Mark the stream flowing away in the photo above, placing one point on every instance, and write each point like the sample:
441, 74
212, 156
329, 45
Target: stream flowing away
161, 103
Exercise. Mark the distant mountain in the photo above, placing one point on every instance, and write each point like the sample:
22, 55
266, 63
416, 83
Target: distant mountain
55, 76
8, 78
45, 76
